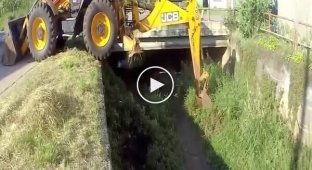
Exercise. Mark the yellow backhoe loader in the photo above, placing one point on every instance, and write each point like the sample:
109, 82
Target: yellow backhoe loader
102, 23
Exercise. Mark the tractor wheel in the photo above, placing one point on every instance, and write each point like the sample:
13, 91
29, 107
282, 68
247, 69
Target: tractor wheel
100, 28
41, 32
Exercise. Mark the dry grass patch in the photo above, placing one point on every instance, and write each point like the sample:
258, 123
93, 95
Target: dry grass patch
52, 119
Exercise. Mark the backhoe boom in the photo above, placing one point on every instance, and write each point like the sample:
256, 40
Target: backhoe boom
101, 23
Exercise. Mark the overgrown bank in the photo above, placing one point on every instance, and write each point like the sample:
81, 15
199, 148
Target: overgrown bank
244, 125
52, 118
142, 136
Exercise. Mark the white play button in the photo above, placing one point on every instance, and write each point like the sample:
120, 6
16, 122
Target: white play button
155, 85
145, 90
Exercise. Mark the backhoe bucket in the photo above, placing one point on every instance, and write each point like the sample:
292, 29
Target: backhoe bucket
204, 98
15, 43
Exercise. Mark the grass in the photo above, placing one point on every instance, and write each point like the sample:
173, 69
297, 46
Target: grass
244, 128
53, 118
5, 18
11, 11
244, 125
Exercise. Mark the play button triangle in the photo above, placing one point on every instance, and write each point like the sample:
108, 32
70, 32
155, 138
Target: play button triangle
155, 85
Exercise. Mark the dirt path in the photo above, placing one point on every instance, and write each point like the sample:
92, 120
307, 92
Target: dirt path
192, 143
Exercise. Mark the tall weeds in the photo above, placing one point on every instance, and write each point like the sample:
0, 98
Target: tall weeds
244, 125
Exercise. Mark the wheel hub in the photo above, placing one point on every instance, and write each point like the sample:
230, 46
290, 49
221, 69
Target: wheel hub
40, 33
100, 29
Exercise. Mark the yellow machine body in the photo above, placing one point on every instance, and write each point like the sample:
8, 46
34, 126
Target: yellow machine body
164, 13
167, 13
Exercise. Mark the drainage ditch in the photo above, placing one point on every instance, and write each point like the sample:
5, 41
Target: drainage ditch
146, 136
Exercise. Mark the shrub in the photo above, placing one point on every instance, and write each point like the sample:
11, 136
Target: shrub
251, 15
270, 43
231, 21
297, 57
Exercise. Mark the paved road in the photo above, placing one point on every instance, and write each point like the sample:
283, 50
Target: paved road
9, 75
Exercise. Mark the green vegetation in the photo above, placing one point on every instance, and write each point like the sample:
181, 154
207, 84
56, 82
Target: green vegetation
251, 16
143, 136
270, 43
275, 45
231, 21
52, 118
297, 57
297, 80
243, 128
244, 125
11, 9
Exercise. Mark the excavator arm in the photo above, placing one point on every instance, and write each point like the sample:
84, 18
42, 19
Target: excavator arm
167, 13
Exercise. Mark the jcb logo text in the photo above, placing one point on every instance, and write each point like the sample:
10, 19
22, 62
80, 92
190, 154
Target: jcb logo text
170, 16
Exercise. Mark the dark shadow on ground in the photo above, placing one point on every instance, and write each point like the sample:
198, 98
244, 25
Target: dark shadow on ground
230, 65
299, 148
196, 147
198, 152
76, 43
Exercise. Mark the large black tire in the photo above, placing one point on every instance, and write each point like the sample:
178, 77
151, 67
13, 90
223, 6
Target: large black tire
95, 7
43, 11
